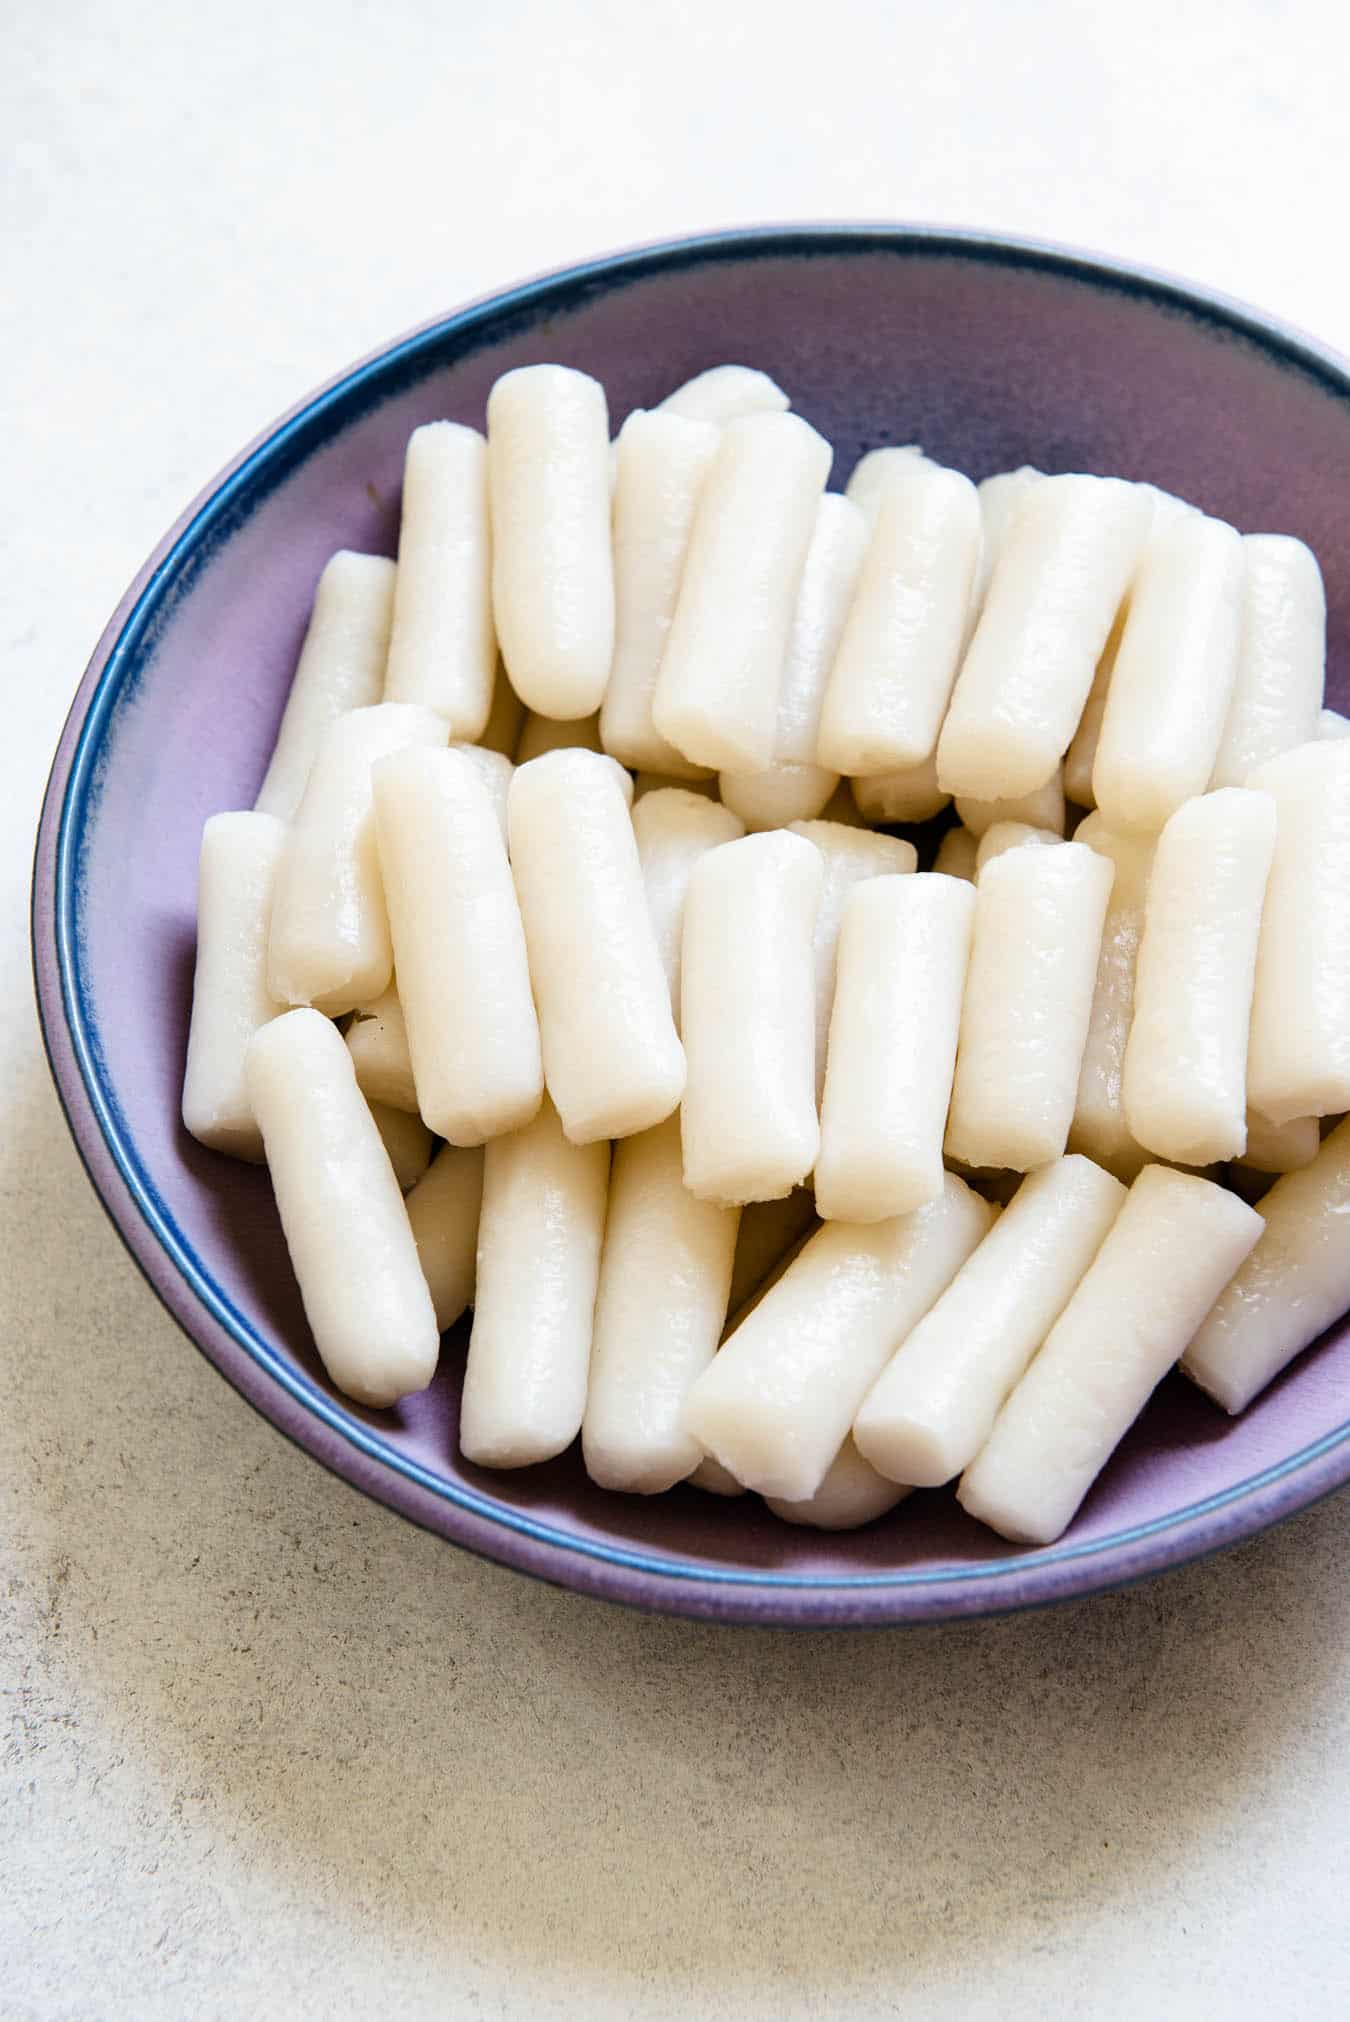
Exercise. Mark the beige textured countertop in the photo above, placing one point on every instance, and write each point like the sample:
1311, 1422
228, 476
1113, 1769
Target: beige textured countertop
272, 1753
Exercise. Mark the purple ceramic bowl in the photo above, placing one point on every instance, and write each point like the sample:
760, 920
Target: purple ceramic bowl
991, 354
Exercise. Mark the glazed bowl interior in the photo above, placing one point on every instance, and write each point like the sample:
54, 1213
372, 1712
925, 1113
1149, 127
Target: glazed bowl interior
988, 354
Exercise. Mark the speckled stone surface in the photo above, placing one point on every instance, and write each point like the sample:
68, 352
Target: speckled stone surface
271, 1752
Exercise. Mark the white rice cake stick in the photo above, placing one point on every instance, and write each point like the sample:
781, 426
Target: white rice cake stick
1299, 1062
1010, 835
1024, 1019
874, 473
665, 1276
495, 771
552, 575
777, 1403
623, 779
1184, 1080
904, 943
539, 734
842, 808
735, 1315
956, 854
1001, 497
329, 944
784, 792
717, 692
1081, 755
230, 995
464, 980
443, 1213
897, 659
539, 1238
909, 795
714, 1479
377, 1040
342, 1213
768, 1231
1281, 1147
654, 782
443, 644
661, 462
934, 1405
795, 787
1331, 724
852, 1494
1066, 564
1173, 678
724, 393
1281, 662
851, 855
341, 667
747, 981
407, 1141
612, 1058
1295, 1283
674, 828
1043, 809
502, 731
1099, 1128
1174, 1245
1167, 507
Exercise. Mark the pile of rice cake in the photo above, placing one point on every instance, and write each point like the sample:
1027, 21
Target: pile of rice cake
565, 969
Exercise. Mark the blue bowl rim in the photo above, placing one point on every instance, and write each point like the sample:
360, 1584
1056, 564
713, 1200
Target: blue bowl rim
286, 1396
